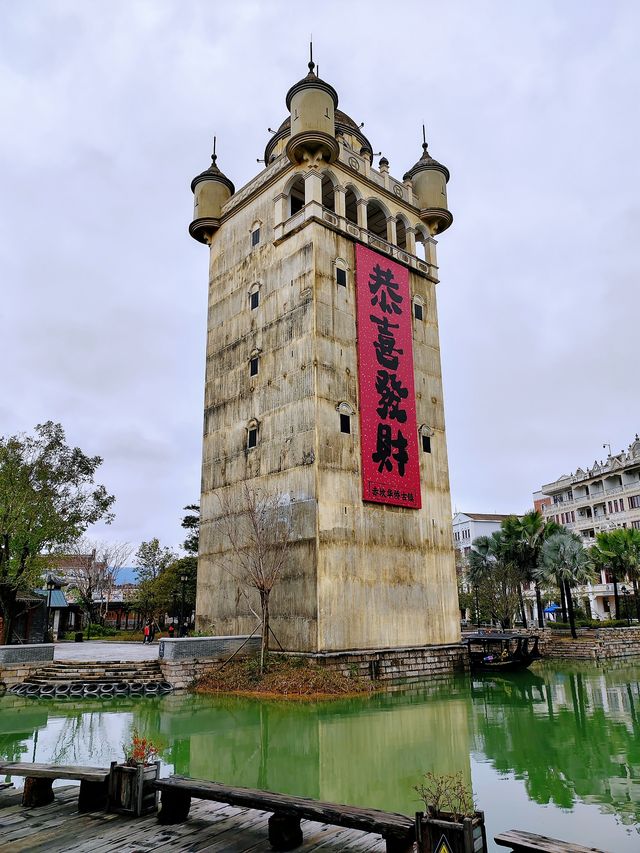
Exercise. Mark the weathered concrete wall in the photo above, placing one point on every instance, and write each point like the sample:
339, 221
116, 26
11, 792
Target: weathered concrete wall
17, 663
358, 575
213, 648
26, 653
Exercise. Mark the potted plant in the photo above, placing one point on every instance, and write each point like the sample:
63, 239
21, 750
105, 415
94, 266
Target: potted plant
130, 788
451, 823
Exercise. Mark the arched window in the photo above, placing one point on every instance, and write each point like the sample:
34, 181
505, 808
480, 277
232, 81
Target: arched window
296, 196
252, 433
426, 434
376, 219
328, 193
254, 295
254, 361
421, 237
345, 412
255, 233
351, 206
341, 268
401, 233
418, 307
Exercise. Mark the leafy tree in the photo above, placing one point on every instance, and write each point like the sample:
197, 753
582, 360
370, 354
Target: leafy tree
618, 551
257, 529
151, 559
168, 585
497, 580
564, 557
191, 522
48, 498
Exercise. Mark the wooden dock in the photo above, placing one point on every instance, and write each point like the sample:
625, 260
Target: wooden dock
211, 828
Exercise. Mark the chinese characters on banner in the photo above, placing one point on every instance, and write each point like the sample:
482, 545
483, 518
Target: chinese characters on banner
388, 427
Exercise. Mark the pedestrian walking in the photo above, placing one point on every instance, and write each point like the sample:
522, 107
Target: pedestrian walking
146, 632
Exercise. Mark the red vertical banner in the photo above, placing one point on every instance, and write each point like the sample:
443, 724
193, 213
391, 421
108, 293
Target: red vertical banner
388, 426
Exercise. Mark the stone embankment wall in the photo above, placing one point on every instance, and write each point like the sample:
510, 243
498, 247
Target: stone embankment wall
184, 659
406, 665
591, 644
17, 663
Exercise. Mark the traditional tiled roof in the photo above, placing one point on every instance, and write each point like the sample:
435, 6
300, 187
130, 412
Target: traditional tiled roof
487, 516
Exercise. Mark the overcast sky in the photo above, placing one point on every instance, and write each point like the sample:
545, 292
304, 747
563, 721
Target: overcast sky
107, 111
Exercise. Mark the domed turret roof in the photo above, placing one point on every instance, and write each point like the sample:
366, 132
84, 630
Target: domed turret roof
344, 124
312, 81
426, 162
213, 173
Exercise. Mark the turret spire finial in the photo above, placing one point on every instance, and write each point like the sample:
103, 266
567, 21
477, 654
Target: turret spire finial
311, 62
214, 156
425, 144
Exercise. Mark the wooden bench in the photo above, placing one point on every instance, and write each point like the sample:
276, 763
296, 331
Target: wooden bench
285, 832
530, 842
38, 786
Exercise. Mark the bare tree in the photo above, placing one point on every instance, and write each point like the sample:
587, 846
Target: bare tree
93, 572
257, 530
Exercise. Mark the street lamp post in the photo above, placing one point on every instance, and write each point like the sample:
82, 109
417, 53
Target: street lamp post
625, 593
175, 607
50, 587
477, 608
183, 579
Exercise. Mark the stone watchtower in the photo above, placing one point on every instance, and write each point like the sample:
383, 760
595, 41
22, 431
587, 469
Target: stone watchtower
323, 384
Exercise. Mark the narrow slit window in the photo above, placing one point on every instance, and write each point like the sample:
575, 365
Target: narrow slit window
341, 277
345, 424
426, 444
253, 438
253, 367
255, 237
254, 300
417, 311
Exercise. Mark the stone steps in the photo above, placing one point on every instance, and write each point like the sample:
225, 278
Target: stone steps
87, 678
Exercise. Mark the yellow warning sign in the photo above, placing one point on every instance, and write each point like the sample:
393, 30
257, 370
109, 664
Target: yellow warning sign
443, 846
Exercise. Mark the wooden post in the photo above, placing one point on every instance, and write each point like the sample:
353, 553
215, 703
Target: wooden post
284, 832
174, 807
37, 792
94, 796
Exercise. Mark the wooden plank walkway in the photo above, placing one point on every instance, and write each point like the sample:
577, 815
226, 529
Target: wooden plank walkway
211, 828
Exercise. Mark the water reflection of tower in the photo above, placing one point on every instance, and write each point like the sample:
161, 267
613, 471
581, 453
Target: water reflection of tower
368, 752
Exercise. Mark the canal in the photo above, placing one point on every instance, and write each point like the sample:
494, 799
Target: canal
555, 750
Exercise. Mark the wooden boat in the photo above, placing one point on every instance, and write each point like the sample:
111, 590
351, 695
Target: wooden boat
501, 652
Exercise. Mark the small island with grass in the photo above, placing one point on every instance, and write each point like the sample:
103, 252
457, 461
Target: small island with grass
283, 676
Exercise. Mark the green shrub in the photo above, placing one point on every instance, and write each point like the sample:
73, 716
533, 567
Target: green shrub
99, 631
589, 623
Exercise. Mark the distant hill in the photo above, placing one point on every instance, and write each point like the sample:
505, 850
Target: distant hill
127, 574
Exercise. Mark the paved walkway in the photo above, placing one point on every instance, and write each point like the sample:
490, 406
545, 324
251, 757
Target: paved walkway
100, 650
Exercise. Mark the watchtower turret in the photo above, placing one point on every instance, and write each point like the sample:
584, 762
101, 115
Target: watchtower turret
211, 190
429, 181
312, 104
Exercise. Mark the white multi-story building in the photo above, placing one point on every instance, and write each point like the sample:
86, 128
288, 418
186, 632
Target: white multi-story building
601, 497
467, 526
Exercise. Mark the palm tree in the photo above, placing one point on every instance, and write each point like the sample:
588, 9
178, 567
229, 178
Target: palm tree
525, 537
564, 556
619, 551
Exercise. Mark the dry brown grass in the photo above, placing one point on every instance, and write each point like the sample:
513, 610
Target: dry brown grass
289, 678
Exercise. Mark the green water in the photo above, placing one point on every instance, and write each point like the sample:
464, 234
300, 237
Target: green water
555, 750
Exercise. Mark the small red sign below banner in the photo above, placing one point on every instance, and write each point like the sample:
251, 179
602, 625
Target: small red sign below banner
388, 427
